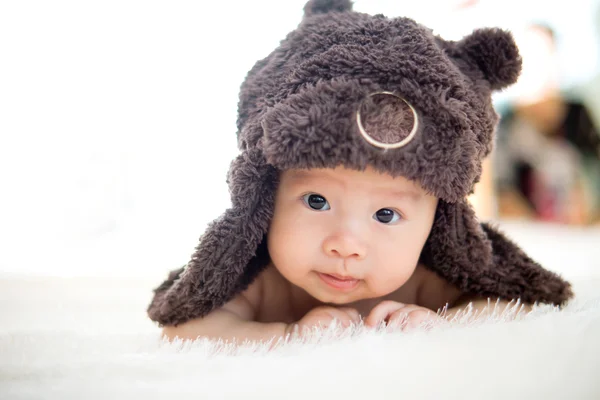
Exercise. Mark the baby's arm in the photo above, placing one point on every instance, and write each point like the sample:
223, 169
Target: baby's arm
410, 316
234, 321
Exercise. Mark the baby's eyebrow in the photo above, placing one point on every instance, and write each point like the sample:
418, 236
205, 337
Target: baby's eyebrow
408, 194
297, 177
296, 174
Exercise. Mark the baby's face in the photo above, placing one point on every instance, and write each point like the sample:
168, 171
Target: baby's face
344, 235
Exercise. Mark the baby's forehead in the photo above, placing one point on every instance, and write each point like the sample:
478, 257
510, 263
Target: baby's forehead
342, 172
369, 177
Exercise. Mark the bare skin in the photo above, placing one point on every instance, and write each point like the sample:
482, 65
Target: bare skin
272, 307
344, 246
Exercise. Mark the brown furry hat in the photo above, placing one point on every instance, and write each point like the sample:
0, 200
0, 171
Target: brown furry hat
298, 109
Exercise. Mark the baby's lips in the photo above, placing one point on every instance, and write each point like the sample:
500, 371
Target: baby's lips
343, 277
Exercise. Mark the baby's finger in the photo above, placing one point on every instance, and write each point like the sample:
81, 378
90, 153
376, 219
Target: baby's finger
411, 316
381, 312
417, 318
334, 313
352, 313
397, 319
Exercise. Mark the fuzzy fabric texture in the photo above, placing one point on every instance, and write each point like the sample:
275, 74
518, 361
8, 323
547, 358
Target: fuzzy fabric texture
297, 109
84, 338
549, 355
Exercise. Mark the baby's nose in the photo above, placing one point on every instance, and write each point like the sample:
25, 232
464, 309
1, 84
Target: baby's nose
345, 245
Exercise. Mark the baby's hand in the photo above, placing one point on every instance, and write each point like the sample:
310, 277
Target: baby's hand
324, 316
394, 314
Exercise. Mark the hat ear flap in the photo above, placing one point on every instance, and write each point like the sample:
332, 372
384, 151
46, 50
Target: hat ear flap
517, 275
232, 250
479, 260
457, 247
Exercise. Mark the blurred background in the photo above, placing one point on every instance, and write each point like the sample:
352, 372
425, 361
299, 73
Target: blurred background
117, 123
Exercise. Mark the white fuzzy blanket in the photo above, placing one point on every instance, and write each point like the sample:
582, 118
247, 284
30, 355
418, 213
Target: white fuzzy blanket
88, 338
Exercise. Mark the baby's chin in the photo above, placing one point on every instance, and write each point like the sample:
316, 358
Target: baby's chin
323, 293
333, 297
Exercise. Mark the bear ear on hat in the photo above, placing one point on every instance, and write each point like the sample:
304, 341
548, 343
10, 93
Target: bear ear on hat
494, 52
314, 7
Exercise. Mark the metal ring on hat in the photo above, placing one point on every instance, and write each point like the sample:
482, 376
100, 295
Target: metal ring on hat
383, 145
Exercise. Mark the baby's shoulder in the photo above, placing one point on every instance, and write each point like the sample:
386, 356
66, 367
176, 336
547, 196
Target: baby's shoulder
268, 295
433, 291
254, 292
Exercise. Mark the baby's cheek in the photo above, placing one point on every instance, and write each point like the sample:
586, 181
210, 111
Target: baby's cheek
287, 255
386, 280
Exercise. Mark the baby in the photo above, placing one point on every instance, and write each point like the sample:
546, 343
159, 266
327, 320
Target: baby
360, 138
344, 244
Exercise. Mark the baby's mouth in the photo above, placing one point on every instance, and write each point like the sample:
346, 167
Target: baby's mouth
339, 282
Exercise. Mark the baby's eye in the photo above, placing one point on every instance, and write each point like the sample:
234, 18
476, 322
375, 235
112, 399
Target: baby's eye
386, 216
316, 202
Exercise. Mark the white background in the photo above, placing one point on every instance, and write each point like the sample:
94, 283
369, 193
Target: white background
117, 118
